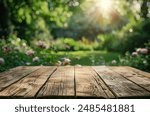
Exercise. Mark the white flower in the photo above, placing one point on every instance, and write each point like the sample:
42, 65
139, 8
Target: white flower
30, 53
16, 48
138, 50
144, 62
28, 63
134, 53
18, 39
2, 61
36, 59
66, 61
114, 62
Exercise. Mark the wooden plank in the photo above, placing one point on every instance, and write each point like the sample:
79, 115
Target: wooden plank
89, 84
61, 83
120, 85
137, 78
29, 86
10, 71
146, 74
15, 75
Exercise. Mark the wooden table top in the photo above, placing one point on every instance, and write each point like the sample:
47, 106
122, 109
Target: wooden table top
74, 82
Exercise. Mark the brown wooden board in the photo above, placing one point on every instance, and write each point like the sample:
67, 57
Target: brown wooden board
88, 84
146, 74
10, 71
137, 78
120, 85
29, 85
15, 75
61, 83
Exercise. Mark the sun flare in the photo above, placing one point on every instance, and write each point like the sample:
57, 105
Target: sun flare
105, 6
101, 11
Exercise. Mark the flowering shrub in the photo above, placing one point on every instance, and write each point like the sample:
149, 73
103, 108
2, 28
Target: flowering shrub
30, 53
41, 44
140, 58
17, 52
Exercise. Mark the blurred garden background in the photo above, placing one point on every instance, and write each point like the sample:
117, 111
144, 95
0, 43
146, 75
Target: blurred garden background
75, 32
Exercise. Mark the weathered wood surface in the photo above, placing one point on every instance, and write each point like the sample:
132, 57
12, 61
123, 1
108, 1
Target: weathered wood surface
61, 83
74, 82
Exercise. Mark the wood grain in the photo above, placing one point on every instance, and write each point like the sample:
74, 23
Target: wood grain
138, 78
15, 75
88, 84
10, 71
61, 83
146, 74
29, 86
74, 82
120, 85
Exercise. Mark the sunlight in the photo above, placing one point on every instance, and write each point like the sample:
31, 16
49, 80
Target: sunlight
104, 6
100, 10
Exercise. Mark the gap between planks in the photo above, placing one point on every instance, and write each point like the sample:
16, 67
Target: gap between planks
28, 86
120, 85
15, 75
137, 78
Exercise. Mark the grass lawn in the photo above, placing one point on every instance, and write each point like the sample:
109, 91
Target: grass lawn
88, 58
50, 58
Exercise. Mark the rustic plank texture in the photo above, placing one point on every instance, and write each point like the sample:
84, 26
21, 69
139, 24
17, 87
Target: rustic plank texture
127, 72
9, 71
74, 82
120, 85
61, 83
29, 85
15, 75
146, 74
89, 84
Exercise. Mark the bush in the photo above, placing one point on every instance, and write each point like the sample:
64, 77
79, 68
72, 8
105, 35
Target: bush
69, 44
140, 58
131, 36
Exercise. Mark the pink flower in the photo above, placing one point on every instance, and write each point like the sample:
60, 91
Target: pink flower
6, 49
41, 44
134, 53
144, 51
36, 59
2, 61
30, 53
114, 62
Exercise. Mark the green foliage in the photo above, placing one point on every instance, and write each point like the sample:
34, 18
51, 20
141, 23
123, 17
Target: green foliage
69, 44
16, 52
132, 36
137, 59
33, 32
